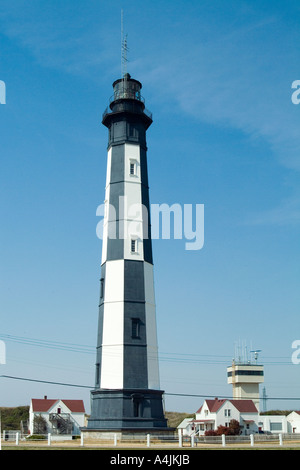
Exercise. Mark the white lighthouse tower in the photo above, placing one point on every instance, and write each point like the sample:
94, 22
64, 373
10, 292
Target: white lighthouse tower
127, 392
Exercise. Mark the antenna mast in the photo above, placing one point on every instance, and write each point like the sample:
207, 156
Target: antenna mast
124, 49
256, 351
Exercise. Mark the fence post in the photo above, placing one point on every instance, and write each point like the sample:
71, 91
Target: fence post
49, 439
17, 439
115, 440
280, 439
81, 439
223, 440
193, 440
148, 440
252, 440
179, 439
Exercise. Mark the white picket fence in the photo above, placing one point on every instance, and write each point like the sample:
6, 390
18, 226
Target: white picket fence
148, 440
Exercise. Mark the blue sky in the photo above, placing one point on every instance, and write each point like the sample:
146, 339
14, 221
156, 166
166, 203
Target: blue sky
217, 76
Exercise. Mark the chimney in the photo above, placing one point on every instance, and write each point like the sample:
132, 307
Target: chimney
45, 397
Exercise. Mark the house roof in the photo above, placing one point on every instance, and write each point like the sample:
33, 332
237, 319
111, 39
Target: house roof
243, 406
44, 404
204, 421
184, 423
214, 405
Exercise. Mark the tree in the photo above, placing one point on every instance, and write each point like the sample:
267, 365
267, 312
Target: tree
12, 417
39, 425
232, 430
235, 427
223, 430
210, 432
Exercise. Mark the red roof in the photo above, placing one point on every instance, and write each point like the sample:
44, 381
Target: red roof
39, 404
44, 404
243, 406
214, 405
76, 406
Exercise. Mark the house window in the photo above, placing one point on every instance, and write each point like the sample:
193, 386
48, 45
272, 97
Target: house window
227, 412
135, 328
275, 426
133, 246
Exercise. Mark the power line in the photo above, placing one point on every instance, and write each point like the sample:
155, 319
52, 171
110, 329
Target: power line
166, 393
74, 347
163, 356
229, 398
45, 381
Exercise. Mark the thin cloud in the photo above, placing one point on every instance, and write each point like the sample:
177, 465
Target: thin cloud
287, 213
75, 47
240, 81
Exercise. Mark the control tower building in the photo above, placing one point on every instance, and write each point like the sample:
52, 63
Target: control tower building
245, 378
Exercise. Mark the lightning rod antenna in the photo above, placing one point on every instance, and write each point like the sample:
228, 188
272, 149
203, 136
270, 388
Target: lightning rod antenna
124, 48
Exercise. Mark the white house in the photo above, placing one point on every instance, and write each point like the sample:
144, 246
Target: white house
275, 424
186, 427
293, 420
215, 413
56, 416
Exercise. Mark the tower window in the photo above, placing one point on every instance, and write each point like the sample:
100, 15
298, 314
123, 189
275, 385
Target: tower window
136, 408
97, 374
135, 328
133, 167
133, 246
101, 288
132, 131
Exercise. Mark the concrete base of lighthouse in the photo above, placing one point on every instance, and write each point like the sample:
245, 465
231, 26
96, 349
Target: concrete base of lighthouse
131, 410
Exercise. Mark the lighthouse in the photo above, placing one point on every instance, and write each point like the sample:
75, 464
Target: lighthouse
127, 393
